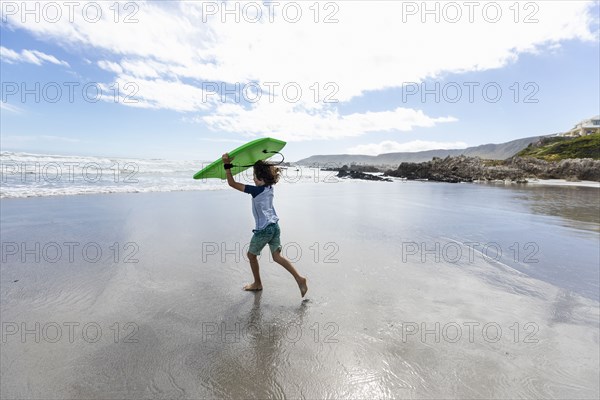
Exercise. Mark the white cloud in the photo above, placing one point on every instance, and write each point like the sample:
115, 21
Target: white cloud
29, 56
170, 51
281, 120
156, 94
389, 146
110, 66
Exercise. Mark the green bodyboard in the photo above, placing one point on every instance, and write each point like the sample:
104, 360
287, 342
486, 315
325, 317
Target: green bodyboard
246, 154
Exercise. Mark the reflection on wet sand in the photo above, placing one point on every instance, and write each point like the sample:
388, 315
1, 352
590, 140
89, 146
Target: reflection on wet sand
577, 207
251, 350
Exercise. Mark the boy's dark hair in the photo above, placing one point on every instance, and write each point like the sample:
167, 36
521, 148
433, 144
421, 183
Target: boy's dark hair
266, 172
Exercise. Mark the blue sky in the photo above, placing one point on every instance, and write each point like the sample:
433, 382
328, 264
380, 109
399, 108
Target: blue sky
369, 55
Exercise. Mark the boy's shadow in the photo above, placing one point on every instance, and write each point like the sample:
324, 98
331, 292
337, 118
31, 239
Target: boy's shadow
265, 339
271, 339
256, 316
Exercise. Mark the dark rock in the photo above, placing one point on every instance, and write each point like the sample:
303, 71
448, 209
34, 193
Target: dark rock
344, 173
354, 167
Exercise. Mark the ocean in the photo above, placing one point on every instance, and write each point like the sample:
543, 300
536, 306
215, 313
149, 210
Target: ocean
32, 175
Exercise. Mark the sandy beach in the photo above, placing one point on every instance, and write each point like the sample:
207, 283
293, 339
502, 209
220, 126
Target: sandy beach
139, 295
564, 182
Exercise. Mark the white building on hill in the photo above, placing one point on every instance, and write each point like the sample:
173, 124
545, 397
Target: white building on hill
585, 127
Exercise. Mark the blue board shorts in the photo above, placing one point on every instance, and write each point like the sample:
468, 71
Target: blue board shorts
268, 235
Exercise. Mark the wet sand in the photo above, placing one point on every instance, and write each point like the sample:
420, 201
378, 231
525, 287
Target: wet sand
161, 313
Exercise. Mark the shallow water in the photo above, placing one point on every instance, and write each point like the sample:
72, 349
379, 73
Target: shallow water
39, 175
506, 305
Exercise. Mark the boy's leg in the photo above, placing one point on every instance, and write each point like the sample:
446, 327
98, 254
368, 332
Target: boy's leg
258, 241
275, 247
257, 285
285, 263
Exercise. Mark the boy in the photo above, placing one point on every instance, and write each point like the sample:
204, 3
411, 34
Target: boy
267, 227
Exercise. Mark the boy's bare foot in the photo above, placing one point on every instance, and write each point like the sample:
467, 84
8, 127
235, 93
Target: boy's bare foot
253, 287
302, 286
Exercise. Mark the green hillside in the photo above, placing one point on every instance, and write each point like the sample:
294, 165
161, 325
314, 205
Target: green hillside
559, 148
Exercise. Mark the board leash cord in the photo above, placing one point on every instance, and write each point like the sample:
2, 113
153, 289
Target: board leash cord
264, 151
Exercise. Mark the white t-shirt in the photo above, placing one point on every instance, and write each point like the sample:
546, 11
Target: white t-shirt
262, 205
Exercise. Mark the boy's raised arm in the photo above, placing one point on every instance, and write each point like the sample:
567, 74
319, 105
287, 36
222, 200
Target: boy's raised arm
230, 180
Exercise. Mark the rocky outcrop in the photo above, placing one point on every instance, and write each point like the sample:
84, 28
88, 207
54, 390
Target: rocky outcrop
585, 169
516, 169
348, 173
354, 167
